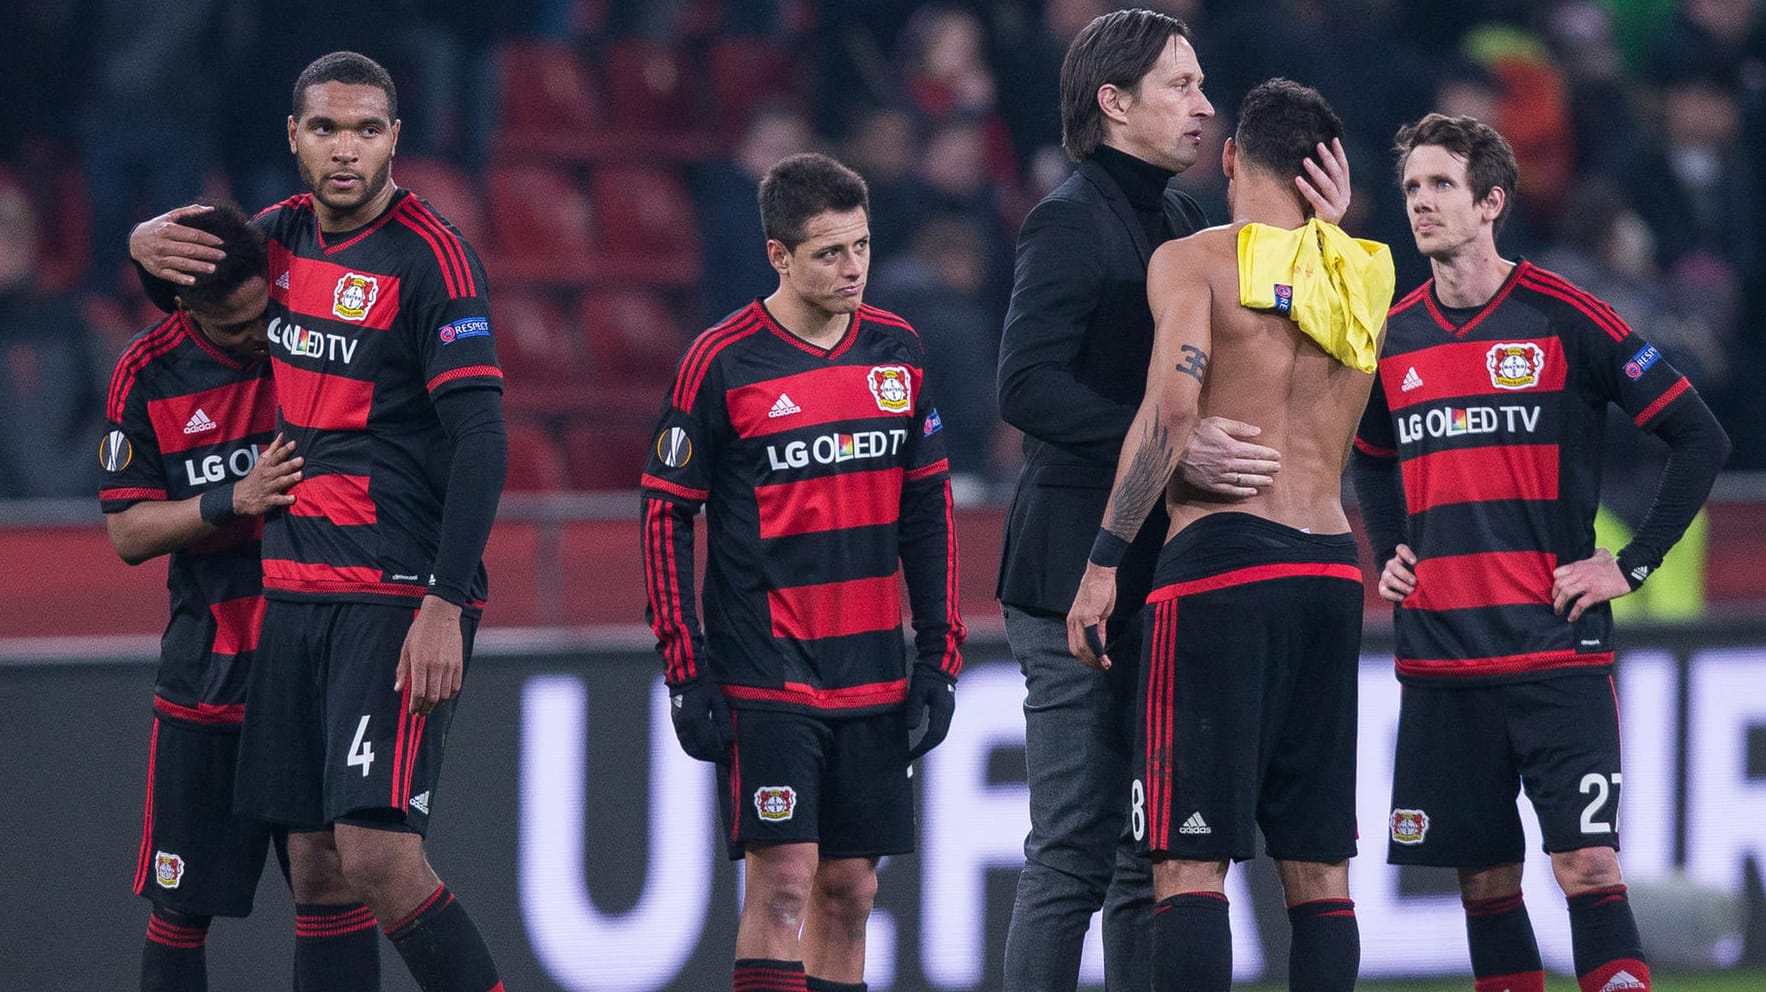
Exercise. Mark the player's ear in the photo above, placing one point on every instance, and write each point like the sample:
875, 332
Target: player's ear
1229, 157
1493, 202
778, 255
1113, 101
292, 125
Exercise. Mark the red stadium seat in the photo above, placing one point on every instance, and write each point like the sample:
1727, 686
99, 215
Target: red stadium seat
606, 451
745, 72
448, 189
650, 87
542, 361
540, 230
648, 228
550, 106
535, 463
633, 336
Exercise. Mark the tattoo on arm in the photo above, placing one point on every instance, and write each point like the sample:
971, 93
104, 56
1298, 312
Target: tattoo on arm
1148, 474
1195, 362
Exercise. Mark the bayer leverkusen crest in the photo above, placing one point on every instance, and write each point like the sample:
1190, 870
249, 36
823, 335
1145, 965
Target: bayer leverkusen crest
354, 296
892, 387
1515, 366
1409, 826
775, 803
168, 869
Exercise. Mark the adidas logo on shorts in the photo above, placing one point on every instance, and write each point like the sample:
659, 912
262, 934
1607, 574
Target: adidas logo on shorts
420, 802
1196, 825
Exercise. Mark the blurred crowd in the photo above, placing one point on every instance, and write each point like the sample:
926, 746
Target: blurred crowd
603, 156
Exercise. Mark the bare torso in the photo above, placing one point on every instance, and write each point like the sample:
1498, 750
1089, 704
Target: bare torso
1263, 370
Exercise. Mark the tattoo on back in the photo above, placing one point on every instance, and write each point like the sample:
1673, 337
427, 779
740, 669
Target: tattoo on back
1195, 362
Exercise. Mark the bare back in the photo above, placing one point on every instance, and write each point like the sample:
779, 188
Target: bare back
1262, 369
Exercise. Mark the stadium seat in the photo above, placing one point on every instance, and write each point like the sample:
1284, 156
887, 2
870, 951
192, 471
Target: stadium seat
607, 450
649, 232
540, 230
535, 463
448, 189
541, 357
632, 336
650, 87
550, 105
745, 72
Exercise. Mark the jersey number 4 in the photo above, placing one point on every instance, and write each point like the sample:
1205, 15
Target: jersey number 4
361, 751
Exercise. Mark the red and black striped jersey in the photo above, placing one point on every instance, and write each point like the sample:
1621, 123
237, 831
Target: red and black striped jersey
366, 329
825, 485
183, 417
1496, 425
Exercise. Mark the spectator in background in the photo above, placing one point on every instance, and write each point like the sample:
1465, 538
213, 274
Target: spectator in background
150, 117
953, 170
729, 220
883, 145
1585, 43
945, 77
942, 279
51, 387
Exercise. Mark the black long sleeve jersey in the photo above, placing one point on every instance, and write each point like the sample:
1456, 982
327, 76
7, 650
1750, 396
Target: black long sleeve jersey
825, 484
184, 417
1491, 431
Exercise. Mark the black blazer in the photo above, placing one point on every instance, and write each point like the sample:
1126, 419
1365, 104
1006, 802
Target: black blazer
1073, 367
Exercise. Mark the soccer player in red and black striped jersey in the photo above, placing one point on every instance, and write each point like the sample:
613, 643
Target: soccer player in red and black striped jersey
1478, 470
803, 425
191, 466
387, 379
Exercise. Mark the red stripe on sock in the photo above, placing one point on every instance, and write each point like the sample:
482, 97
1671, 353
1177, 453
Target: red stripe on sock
440, 890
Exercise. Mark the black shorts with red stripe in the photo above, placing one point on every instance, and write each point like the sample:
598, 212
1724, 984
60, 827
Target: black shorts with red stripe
196, 856
795, 778
1247, 710
327, 738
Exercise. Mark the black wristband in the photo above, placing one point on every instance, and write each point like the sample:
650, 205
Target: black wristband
1108, 549
217, 505
1635, 567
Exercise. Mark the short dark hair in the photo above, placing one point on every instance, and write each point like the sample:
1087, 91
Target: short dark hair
246, 255
802, 186
1117, 48
1490, 161
1281, 123
351, 69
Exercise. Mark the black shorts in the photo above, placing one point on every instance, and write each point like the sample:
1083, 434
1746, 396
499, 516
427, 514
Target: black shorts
1465, 753
1247, 714
326, 736
841, 784
196, 855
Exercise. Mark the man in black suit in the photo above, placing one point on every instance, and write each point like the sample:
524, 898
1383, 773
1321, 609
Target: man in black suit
1073, 366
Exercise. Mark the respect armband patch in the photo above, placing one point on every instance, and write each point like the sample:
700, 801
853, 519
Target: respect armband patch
465, 327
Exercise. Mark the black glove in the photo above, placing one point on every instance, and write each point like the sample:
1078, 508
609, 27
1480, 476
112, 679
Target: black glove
932, 694
702, 719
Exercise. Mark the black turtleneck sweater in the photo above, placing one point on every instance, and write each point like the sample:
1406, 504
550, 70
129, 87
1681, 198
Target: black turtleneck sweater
1144, 185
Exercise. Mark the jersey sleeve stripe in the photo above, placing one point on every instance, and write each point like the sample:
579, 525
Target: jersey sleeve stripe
1373, 450
879, 316
829, 503
449, 241
698, 360
1492, 578
956, 633
1481, 475
448, 253
162, 338
656, 589
928, 471
299, 201
836, 609
131, 494
1668, 396
1410, 300
1611, 324
1547, 277
649, 481
464, 372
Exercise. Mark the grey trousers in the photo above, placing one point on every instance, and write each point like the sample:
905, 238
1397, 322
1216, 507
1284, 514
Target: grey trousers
1079, 738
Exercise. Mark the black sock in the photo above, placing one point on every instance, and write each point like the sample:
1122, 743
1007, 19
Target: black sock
1505, 954
442, 947
815, 984
336, 948
1192, 944
1326, 952
767, 975
1604, 942
173, 959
